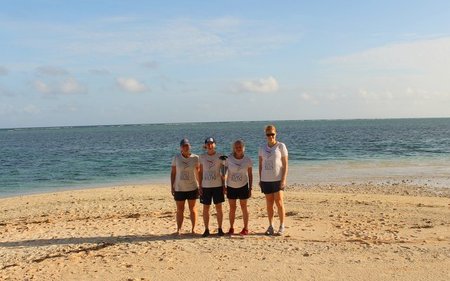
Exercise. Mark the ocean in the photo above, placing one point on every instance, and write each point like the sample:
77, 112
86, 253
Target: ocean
35, 160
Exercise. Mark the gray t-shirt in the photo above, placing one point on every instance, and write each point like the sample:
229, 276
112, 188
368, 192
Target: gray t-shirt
185, 179
211, 170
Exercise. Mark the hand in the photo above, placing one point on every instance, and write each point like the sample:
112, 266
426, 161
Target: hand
200, 191
225, 190
172, 190
250, 192
283, 184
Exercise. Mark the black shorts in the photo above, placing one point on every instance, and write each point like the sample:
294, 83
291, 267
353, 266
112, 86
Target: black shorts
212, 194
269, 187
238, 193
185, 195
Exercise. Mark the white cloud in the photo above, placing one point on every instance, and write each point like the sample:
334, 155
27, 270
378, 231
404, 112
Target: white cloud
262, 85
150, 64
51, 71
131, 85
42, 87
100, 71
224, 23
6, 92
419, 56
72, 86
180, 39
3, 70
69, 86
309, 98
401, 73
6, 109
368, 95
31, 109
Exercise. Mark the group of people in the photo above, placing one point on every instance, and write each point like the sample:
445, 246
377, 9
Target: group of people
212, 175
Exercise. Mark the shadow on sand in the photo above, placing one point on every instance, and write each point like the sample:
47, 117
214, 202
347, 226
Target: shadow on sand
107, 240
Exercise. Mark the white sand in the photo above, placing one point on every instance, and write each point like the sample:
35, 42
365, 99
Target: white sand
334, 232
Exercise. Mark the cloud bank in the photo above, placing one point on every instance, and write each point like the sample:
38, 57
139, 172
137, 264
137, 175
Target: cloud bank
69, 86
416, 70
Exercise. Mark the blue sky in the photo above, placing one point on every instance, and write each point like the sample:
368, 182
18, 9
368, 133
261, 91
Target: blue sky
125, 62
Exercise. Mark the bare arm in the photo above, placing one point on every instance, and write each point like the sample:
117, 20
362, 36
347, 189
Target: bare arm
197, 173
260, 168
173, 174
200, 179
250, 179
284, 170
225, 175
224, 178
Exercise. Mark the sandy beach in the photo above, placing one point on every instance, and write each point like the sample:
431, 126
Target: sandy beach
370, 231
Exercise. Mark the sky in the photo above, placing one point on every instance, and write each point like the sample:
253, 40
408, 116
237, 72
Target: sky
72, 63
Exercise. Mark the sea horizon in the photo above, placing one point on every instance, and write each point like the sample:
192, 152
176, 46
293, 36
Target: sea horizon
62, 158
222, 121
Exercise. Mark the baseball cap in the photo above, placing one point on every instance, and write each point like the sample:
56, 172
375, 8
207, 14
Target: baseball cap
184, 141
210, 139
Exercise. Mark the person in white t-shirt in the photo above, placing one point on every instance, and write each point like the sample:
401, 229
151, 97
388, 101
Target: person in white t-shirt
184, 183
211, 185
273, 169
239, 179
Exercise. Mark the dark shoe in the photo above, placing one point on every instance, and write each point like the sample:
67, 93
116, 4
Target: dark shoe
269, 230
231, 231
206, 233
220, 232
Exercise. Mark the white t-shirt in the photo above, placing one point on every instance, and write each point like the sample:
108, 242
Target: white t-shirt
211, 170
185, 179
271, 161
237, 171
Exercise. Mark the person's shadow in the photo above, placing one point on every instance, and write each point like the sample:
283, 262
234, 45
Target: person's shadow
105, 241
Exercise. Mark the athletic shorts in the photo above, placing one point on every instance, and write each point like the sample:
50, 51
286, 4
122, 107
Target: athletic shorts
212, 194
186, 195
269, 187
238, 193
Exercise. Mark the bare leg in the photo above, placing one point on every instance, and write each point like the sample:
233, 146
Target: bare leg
232, 211
278, 196
269, 202
193, 214
206, 216
244, 209
219, 214
180, 215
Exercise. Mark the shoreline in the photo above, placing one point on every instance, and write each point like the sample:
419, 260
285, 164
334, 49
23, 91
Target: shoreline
387, 186
429, 173
333, 232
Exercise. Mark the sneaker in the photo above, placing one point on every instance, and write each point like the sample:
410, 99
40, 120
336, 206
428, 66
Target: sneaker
244, 231
206, 233
280, 231
269, 230
220, 232
231, 231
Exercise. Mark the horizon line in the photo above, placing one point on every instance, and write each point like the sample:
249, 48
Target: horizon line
229, 121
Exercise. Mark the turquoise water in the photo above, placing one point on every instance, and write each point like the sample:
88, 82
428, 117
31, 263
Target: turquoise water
43, 159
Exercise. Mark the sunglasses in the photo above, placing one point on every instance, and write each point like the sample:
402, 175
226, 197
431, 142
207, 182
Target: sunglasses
270, 134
